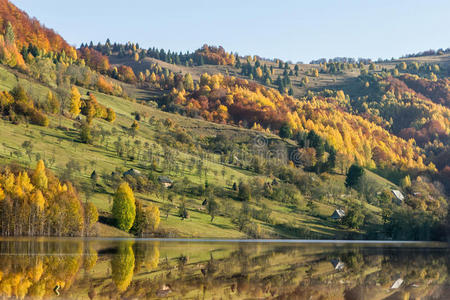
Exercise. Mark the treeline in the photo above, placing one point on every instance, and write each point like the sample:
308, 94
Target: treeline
430, 52
430, 71
349, 60
205, 55
36, 203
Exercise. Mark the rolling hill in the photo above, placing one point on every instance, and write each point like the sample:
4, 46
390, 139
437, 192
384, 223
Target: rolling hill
254, 148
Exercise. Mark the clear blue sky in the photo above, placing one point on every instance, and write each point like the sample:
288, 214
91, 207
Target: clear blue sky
290, 30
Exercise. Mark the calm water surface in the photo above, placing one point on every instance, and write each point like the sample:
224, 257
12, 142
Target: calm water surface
202, 269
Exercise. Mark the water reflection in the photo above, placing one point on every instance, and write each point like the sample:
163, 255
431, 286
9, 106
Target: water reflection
128, 269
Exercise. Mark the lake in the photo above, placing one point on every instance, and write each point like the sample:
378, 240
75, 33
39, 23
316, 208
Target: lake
67, 268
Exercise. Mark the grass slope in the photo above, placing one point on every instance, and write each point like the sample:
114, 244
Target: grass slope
59, 142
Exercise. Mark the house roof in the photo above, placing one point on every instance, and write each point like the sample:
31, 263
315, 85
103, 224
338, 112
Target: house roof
338, 213
132, 172
337, 264
165, 179
397, 284
398, 195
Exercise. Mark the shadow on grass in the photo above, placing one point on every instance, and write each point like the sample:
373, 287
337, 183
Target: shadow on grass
222, 226
107, 220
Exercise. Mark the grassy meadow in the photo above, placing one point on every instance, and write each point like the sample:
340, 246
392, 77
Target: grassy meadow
58, 144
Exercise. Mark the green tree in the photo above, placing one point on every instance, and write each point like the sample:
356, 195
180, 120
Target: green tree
124, 207
147, 219
354, 175
90, 216
85, 133
28, 147
285, 131
212, 207
354, 217
244, 193
10, 37
243, 218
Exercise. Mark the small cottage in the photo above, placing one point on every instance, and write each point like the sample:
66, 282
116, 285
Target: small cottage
398, 283
165, 181
132, 172
337, 264
338, 214
398, 196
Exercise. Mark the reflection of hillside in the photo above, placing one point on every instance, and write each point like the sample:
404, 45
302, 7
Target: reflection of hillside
138, 269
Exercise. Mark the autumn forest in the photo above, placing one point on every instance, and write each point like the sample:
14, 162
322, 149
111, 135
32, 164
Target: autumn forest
111, 139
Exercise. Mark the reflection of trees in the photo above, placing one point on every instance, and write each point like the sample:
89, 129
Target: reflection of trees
227, 271
122, 266
34, 269
147, 255
89, 258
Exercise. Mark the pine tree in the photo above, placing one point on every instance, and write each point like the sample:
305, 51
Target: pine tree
124, 207
354, 175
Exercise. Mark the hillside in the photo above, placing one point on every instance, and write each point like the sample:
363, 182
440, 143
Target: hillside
210, 144
59, 146
30, 33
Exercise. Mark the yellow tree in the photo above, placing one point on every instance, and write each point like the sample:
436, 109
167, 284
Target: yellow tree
75, 102
188, 82
259, 72
38, 200
153, 78
122, 266
39, 177
91, 216
124, 207
111, 115
53, 102
154, 218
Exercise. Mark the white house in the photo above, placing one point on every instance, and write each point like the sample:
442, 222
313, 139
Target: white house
399, 197
338, 214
